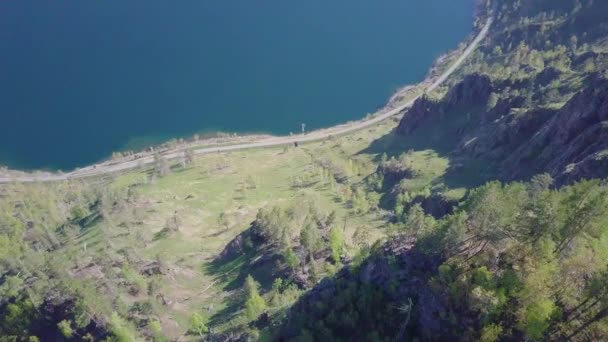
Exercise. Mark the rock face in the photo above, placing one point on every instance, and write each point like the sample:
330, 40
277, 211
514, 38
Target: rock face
394, 172
505, 134
421, 111
569, 143
242, 243
474, 90
594, 166
436, 205
547, 75
152, 268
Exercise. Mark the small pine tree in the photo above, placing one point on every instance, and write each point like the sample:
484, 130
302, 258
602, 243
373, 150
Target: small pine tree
255, 304
383, 158
589, 65
157, 331
574, 42
492, 101
291, 258
65, 327
311, 239
197, 325
415, 220
121, 331
336, 243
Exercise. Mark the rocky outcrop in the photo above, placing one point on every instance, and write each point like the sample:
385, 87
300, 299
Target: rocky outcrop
547, 76
152, 268
504, 106
582, 58
473, 91
423, 109
436, 205
502, 136
567, 143
594, 166
569, 146
242, 243
393, 172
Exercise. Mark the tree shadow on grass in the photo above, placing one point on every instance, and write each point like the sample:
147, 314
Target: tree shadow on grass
89, 221
442, 137
231, 275
234, 303
231, 270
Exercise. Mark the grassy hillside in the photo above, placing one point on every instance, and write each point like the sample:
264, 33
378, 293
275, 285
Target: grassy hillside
146, 246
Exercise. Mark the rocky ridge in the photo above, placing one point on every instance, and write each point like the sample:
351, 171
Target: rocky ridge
570, 143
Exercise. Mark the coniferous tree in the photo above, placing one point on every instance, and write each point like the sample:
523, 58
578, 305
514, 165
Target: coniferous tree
254, 304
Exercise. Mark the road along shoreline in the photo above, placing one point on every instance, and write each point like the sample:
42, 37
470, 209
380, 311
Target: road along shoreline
113, 167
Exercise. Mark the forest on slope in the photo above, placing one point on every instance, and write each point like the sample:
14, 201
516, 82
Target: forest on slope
482, 214
514, 261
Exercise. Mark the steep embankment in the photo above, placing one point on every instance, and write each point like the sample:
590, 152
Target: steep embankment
569, 143
510, 261
531, 100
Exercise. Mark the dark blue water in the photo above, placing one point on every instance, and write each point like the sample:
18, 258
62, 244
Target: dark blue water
80, 79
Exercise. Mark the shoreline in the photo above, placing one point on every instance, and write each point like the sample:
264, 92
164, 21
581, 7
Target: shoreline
438, 73
176, 145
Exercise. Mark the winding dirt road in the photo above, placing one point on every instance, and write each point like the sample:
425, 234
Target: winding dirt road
109, 167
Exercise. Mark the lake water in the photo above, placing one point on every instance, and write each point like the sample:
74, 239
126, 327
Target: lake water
80, 79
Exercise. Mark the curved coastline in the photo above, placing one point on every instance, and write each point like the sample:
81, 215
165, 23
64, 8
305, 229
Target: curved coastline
139, 160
